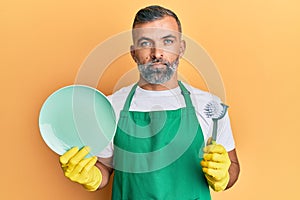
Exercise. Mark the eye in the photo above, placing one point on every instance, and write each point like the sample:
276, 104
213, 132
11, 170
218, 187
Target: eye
168, 41
145, 44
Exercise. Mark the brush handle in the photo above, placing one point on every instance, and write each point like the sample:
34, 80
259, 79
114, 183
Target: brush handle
215, 129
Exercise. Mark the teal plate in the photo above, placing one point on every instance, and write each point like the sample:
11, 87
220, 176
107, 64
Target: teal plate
77, 115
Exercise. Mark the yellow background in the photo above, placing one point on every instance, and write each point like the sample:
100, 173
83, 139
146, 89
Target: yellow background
255, 45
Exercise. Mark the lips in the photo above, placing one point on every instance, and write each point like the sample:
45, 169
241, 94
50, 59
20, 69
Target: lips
158, 64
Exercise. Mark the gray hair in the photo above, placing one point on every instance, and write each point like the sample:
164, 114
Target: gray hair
152, 13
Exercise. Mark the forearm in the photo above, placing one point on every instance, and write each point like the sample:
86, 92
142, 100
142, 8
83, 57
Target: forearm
106, 172
234, 169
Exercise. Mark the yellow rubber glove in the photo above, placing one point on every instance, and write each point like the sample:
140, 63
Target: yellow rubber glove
81, 170
215, 165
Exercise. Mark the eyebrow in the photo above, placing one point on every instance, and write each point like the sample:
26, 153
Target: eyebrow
169, 36
149, 39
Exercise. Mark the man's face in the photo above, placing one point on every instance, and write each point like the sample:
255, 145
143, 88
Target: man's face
157, 47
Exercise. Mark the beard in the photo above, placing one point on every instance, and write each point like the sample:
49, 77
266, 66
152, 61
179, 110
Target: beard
155, 75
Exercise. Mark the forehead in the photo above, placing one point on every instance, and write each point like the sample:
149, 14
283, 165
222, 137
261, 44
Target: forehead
156, 29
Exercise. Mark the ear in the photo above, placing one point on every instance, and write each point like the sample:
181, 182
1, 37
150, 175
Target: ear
182, 48
132, 52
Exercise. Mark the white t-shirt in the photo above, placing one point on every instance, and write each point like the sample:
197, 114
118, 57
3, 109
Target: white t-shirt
148, 100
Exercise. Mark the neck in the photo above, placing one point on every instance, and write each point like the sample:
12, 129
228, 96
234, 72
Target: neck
171, 84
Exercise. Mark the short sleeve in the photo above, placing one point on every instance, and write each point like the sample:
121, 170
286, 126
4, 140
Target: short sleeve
224, 134
200, 100
107, 151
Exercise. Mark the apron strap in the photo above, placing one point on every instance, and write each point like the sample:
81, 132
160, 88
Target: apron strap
186, 95
129, 98
184, 92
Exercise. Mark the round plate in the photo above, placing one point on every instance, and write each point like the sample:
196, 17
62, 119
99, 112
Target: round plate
77, 115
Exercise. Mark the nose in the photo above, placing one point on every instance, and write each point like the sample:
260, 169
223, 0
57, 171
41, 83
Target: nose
157, 53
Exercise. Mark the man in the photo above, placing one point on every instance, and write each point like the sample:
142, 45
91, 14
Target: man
162, 127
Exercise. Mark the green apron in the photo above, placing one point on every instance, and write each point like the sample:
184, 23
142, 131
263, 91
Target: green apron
156, 154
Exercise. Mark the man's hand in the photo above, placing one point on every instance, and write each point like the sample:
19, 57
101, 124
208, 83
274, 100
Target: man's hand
81, 170
215, 165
